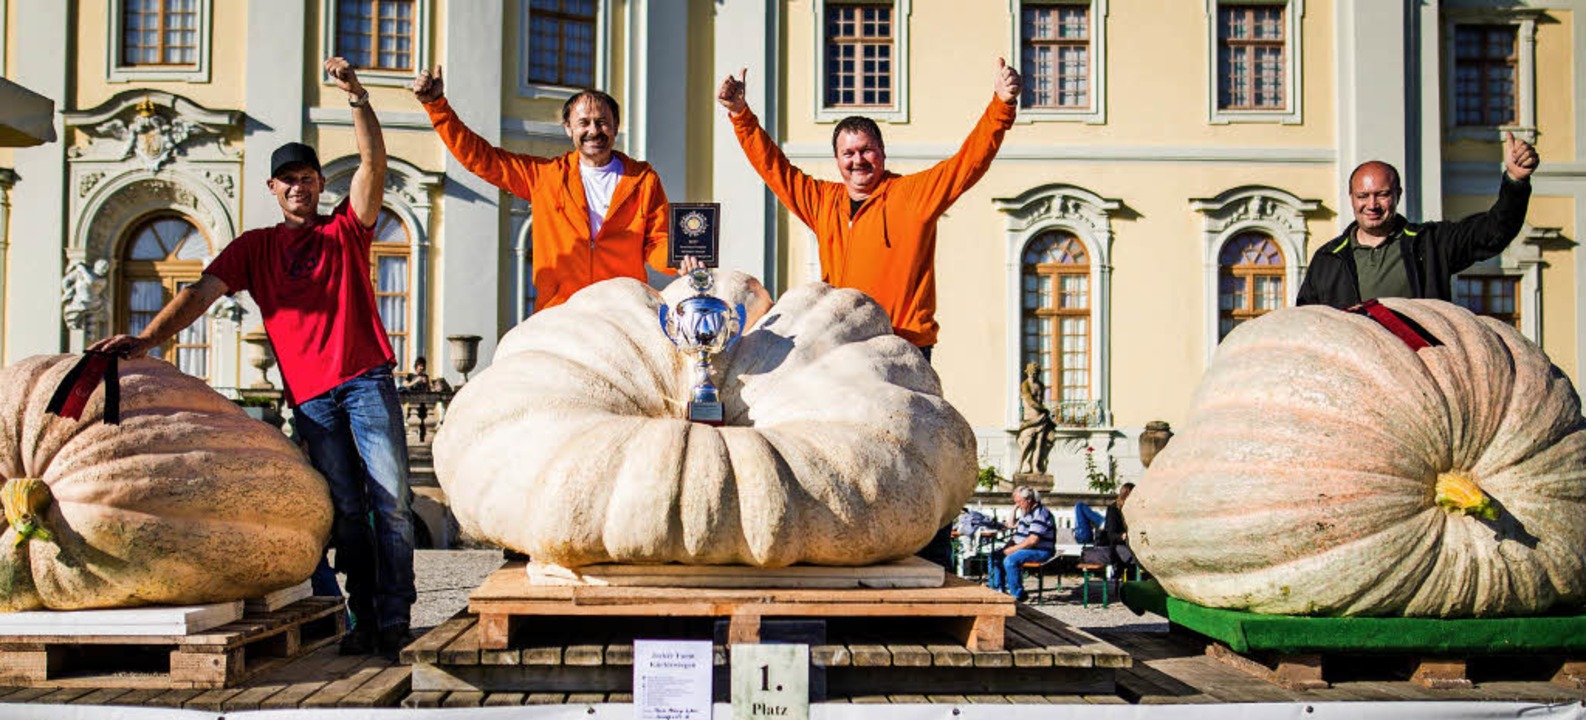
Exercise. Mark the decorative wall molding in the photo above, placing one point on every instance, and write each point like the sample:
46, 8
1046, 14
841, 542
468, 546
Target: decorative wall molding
153, 126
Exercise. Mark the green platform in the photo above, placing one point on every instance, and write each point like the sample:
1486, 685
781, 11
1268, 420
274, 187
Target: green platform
1247, 632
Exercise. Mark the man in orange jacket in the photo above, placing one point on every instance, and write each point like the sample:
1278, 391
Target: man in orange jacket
598, 214
876, 229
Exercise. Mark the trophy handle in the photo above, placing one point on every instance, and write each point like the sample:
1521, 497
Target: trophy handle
666, 323
743, 322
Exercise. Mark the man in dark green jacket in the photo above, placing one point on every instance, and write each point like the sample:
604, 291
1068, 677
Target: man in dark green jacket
1381, 254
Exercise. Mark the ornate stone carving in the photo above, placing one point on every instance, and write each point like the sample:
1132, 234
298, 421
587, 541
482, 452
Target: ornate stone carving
1067, 203
152, 127
228, 309
1271, 207
83, 294
223, 182
86, 183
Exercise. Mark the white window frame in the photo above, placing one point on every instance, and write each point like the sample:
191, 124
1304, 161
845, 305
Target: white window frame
422, 31
1096, 114
1522, 259
1088, 216
1524, 19
115, 72
1293, 67
602, 78
899, 112
1268, 210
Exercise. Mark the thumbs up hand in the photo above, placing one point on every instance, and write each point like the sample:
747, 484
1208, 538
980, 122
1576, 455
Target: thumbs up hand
1007, 82
1519, 158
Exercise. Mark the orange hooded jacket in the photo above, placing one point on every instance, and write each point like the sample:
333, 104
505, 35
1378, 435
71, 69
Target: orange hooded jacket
566, 258
887, 248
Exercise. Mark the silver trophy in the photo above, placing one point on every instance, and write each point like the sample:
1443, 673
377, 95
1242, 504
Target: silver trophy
703, 326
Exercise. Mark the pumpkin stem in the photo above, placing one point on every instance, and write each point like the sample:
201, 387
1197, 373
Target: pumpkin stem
25, 500
1457, 492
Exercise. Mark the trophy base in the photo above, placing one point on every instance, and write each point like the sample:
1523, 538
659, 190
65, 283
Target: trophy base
708, 413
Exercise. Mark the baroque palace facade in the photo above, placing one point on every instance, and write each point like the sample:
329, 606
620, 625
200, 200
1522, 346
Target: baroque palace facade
1174, 163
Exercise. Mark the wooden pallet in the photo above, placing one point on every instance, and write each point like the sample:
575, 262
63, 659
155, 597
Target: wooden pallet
860, 656
973, 614
215, 658
1309, 671
1177, 669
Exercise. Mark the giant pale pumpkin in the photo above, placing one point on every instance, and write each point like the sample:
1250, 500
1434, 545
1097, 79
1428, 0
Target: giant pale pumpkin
1328, 469
838, 448
188, 500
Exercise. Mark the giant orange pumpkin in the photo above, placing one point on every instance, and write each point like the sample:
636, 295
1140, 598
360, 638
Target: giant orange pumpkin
187, 500
1328, 469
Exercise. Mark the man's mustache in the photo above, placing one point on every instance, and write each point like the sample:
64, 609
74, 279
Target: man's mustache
587, 137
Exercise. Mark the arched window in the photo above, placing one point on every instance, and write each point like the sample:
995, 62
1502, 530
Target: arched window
390, 272
1057, 323
164, 255
1250, 280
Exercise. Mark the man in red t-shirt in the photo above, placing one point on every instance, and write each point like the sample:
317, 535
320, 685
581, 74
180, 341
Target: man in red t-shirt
310, 276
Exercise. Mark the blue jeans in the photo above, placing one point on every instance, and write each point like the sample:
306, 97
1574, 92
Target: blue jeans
1087, 523
356, 439
1004, 573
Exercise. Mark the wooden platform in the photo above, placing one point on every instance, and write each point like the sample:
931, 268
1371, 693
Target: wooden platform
972, 614
860, 656
910, 572
320, 679
1312, 671
215, 658
1179, 668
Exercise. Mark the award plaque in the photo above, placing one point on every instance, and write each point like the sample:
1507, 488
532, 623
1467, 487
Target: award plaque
692, 232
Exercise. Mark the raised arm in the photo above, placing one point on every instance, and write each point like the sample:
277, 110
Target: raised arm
799, 192
509, 171
189, 303
1486, 234
940, 185
368, 182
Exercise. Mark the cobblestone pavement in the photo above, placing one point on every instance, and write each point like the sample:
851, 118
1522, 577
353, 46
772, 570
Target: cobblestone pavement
445, 577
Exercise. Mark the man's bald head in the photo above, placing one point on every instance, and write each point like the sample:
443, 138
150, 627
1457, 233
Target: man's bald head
1386, 172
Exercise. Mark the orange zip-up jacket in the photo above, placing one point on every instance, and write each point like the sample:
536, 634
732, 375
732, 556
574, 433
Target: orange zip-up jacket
888, 248
566, 258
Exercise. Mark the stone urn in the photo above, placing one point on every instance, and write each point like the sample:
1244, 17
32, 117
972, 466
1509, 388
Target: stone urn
1155, 437
465, 353
261, 355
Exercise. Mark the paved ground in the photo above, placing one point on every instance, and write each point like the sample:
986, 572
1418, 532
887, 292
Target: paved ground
445, 577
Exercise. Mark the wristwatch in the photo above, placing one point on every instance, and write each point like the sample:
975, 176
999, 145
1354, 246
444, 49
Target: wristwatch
361, 100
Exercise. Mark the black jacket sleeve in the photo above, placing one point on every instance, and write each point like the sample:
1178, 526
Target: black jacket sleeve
1465, 242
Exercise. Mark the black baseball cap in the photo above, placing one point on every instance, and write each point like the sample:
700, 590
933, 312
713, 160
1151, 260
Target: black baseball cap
293, 153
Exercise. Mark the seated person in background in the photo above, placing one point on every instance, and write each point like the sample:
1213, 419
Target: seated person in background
1034, 540
1087, 524
1115, 531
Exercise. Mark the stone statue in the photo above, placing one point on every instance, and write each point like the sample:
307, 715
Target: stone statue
83, 293
1037, 429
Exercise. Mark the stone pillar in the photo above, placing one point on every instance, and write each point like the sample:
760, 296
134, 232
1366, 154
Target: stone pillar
660, 80
746, 36
469, 249
44, 58
1373, 92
